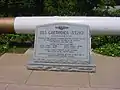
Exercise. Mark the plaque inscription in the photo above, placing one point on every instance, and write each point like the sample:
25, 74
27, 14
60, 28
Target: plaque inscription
61, 44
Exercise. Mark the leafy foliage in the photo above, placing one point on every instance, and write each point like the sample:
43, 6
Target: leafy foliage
107, 45
109, 49
75, 7
60, 7
15, 41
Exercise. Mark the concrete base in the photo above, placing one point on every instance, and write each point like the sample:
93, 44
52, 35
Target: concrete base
83, 67
80, 68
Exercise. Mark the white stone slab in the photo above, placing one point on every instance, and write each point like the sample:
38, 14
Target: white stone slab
62, 46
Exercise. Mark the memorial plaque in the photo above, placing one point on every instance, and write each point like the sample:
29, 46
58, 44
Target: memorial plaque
63, 47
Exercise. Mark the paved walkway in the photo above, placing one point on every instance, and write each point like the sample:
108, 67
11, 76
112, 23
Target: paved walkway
15, 76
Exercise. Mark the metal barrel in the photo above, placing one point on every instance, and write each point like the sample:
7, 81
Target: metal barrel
26, 25
7, 25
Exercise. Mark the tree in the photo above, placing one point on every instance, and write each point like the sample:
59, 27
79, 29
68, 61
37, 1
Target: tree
75, 7
21, 7
53, 7
117, 2
39, 7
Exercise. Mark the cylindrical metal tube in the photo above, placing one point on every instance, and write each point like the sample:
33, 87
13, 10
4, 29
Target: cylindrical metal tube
98, 25
7, 25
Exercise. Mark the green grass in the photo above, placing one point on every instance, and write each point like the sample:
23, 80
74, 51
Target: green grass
17, 50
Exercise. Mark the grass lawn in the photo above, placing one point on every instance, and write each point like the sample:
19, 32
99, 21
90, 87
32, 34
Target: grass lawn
17, 50
20, 50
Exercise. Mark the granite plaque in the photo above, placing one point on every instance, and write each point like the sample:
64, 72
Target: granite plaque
63, 47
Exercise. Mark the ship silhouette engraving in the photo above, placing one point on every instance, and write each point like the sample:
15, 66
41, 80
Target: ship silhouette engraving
61, 27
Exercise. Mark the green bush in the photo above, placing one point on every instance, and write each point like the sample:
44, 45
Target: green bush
107, 45
19, 38
98, 41
8, 41
109, 49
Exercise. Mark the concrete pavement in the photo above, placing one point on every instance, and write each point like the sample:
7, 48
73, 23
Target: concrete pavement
15, 76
